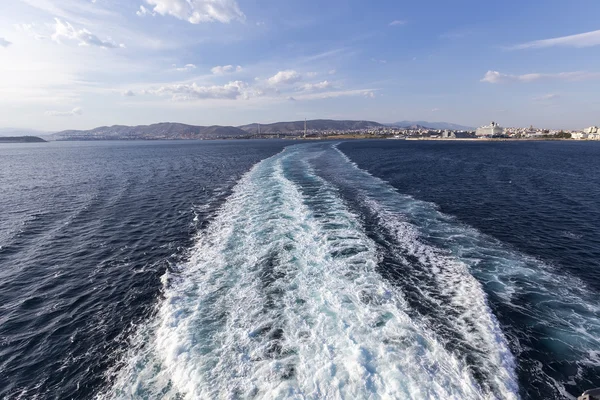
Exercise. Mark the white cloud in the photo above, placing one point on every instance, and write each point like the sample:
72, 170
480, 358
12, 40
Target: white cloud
317, 86
185, 68
546, 97
587, 39
143, 11
72, 113
128, 93
4, 42
286, 77
197, 11
397, 22
64, 30
369, 93
225, 69
29, 29
332, 72
379, 61
253, 92
498, 77
237, 90
435, 109
184, 92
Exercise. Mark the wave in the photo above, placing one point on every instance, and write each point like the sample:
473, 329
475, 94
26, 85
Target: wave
551, 318
282, 298
317, 280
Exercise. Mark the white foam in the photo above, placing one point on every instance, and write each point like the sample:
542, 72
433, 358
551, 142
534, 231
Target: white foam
464, 307
277, 302
548, 298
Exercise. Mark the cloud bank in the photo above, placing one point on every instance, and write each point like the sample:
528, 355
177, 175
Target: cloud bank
185, 68
185, 92
286, 77
198, 11
498, 77
317, 86
64, 30
72, 113
225, 69
546, 97
581, 40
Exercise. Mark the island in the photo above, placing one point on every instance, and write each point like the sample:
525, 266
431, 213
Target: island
21, 139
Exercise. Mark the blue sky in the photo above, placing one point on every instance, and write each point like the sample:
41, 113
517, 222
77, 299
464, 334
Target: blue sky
82, 63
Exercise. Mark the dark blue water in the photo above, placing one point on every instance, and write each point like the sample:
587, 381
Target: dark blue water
538, 199
383, 269
86, 232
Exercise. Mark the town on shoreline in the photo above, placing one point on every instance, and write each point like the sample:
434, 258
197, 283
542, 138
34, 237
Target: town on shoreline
318, 130
488, 132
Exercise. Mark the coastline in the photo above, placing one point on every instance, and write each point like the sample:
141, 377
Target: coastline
416, 139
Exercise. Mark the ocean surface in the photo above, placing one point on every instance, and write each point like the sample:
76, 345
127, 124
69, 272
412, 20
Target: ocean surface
278, 269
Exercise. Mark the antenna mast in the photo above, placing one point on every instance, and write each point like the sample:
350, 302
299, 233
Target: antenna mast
304, 127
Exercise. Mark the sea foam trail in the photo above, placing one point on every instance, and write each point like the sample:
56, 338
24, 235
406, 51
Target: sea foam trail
281, 298
551, 318
454, 303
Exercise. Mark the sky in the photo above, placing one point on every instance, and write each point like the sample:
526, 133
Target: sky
79, 64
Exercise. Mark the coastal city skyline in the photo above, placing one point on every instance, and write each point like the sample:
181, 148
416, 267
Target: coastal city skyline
307, 129
82, 64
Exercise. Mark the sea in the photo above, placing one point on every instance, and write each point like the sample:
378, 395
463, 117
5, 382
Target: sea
278, 269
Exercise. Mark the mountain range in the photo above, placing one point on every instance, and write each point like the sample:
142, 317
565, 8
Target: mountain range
21, 139
171, 130
313, 125
163, 130
431, 125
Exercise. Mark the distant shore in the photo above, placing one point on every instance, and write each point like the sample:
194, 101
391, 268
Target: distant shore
416, 139
310, 138
21, 139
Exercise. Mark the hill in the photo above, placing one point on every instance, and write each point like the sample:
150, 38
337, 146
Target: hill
432, 125
161, 131
21, 139
312, 125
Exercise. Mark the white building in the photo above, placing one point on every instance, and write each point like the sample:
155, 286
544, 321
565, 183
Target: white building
594, 136
492, 129
579, 135
591, 129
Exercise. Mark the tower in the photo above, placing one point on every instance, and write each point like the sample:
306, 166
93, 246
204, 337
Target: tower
304, 127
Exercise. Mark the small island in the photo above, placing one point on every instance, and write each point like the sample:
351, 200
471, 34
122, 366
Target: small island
21, 139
